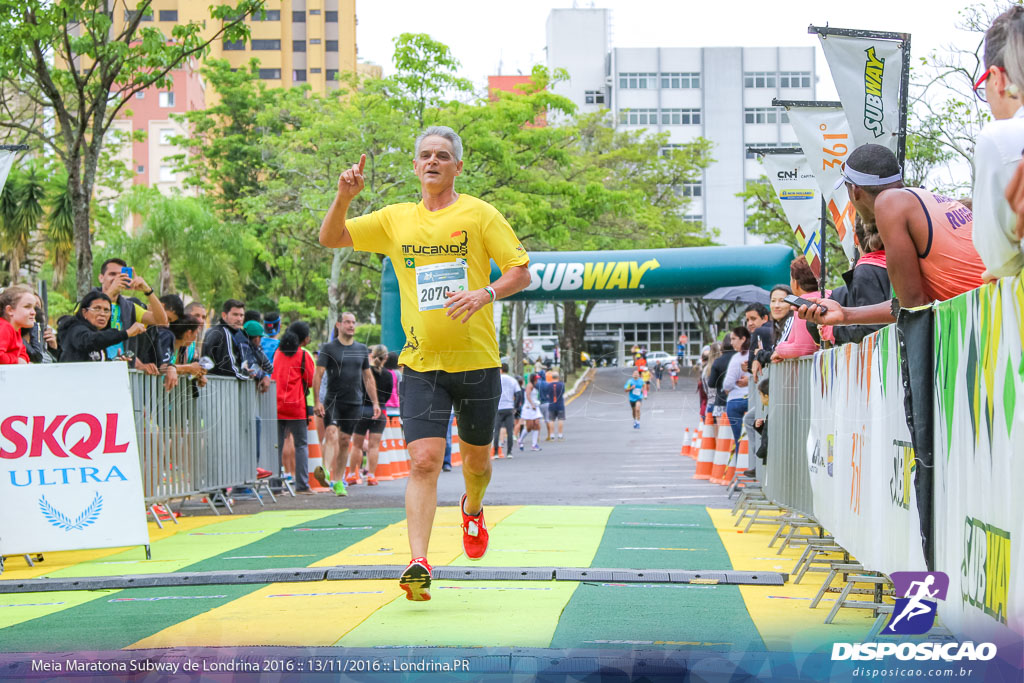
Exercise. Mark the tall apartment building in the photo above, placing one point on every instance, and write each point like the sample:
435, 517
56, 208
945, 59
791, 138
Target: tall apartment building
150, 113
296, 41
721, 93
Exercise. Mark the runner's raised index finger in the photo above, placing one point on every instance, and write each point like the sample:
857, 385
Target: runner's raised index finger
362, 163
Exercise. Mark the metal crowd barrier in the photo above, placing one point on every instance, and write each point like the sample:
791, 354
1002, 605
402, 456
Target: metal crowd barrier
786, 480
194, 440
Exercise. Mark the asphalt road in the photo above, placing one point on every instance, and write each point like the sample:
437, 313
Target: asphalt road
603, 460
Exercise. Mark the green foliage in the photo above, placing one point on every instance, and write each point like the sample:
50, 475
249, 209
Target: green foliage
767, 220
368, 334
77, 62
21, 208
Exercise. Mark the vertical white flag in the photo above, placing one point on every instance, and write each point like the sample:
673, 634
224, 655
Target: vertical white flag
6, 160
824, 135
794, 184
867, 74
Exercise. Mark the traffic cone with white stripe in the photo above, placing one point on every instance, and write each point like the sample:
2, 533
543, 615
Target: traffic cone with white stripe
723, 449
740, 462
315, 457
706, 457
695, 443
687, 440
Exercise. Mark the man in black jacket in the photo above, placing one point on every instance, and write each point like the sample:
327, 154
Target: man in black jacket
759, 323
227, 346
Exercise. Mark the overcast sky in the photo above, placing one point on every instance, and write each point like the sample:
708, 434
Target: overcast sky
486, 33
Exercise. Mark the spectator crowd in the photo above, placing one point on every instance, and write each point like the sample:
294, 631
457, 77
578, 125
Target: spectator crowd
914, 247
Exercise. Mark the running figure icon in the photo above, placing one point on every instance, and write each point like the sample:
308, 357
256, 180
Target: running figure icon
916, 606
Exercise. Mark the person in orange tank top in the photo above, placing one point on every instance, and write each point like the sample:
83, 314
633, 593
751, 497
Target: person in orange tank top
929, 251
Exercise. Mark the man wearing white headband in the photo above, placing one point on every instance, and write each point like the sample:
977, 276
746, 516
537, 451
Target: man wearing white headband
927, 238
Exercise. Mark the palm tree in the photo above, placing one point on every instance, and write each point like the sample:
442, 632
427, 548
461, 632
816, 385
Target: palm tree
21, 208
59, 226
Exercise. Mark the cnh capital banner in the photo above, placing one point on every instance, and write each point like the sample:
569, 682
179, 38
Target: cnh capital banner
979, 460
867, 73
70, 474
824, 134
793, 181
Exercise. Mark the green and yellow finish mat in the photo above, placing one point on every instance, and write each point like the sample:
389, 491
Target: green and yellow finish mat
368, 613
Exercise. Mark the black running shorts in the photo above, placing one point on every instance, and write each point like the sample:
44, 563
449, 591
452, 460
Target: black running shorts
368, 424
344, 416
426, 400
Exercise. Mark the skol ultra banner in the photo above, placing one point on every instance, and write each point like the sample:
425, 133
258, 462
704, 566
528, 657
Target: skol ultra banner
6, 160
979, 460
824, 135
70, 474
860, 457
867, 74
793, 180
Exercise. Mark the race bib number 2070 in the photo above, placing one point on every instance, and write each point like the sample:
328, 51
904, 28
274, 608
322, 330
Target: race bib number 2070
434, 282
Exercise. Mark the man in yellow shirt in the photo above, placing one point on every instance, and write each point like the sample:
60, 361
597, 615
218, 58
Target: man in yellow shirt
441, 249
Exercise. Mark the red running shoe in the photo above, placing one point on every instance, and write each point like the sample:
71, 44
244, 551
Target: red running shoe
415, 580
474, 532
371, 480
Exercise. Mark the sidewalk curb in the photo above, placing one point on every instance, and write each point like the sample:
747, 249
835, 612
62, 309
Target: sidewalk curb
584, 379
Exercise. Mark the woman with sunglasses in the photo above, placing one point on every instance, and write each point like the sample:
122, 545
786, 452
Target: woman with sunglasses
997, 152
84, 336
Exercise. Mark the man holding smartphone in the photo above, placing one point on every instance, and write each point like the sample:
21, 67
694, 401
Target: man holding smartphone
927, 241
441, 249
115, 277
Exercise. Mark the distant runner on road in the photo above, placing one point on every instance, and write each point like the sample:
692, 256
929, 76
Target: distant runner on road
441, 248
635, 390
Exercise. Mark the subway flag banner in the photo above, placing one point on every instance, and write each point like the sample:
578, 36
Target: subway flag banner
867, 73
793, 180
860, 457
979, 460
824, 134
71, 478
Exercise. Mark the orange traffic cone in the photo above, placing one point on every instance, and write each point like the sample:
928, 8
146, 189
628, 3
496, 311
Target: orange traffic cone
739, 462
687, 440
401, 464
315, 457
706, 457
723, 449
695, 443
456, 452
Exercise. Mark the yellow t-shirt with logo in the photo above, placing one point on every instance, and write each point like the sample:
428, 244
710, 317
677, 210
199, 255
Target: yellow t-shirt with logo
422, 244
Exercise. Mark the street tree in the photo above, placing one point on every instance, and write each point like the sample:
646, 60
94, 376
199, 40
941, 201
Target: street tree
84, 61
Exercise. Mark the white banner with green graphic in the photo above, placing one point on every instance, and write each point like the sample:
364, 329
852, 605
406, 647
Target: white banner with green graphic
979, 460
860, 457
793, 181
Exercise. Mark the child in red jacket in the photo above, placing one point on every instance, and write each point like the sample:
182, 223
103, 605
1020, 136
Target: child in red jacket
17, 312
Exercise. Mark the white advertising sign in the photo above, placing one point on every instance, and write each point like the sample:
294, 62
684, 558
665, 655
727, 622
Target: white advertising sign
70, 475
867, 74
979, 461
824, 135
860, 457
793, 181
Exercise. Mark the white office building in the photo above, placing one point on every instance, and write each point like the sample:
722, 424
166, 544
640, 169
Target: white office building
721, 93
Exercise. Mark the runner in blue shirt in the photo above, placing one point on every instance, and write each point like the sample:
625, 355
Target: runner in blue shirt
635, 387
